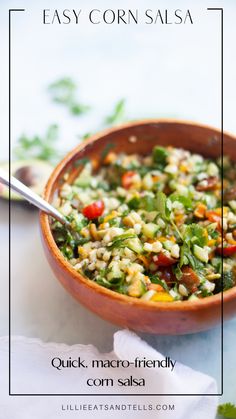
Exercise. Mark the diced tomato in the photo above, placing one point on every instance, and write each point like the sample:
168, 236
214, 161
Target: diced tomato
230, 194
227, 251
94, 210
163, 260
167, 275
127, 179
210, 184
212, 216
189, 279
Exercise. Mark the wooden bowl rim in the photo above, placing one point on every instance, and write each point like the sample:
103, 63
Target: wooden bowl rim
215, 300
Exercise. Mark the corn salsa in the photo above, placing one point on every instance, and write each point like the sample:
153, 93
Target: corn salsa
152, 227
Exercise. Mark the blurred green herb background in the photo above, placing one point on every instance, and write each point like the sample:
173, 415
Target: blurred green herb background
63, 92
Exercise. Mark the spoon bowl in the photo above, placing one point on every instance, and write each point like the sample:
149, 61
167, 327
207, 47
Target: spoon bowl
27, 193
159, 318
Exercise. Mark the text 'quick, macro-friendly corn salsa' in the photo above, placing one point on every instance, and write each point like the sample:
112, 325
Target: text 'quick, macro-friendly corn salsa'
152, 227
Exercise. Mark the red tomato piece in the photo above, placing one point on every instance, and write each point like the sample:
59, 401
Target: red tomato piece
210, 184
213, 216
127, 179
227, 251
94, 210
189, 279
167, 275
163, 260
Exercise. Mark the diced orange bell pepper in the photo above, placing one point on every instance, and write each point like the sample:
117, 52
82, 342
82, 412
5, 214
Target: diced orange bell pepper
144, 260
200, 210
212, 216
211, 242
110, 158
156, 287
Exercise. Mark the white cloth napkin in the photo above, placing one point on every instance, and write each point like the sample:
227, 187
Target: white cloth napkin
32, 372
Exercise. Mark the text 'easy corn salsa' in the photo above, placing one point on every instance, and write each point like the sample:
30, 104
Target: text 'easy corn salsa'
152, 227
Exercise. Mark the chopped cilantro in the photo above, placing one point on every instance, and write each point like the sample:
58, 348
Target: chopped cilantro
228, 280
134, 203
160, 155
184, 200
156, 280
195, 234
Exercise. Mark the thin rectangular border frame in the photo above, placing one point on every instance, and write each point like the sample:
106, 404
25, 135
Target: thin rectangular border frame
9, 211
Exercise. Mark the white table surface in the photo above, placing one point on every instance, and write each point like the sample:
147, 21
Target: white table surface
161, 71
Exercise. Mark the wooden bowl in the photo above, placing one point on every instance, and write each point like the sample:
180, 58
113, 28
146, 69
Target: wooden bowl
151, 317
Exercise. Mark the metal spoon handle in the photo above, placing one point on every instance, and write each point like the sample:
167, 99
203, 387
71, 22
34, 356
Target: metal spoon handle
31, 196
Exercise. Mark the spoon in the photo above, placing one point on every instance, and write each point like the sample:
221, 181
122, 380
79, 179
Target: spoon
32, 197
